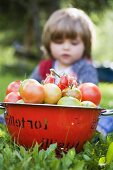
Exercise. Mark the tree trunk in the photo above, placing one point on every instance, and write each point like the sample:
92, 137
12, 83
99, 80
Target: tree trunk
33, 31
36, 22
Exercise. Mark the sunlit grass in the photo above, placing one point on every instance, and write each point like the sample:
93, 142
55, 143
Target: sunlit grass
6, 55
107, 95
104, 41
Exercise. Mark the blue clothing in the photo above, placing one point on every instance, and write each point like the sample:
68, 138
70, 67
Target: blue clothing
105, 125
2, 120
84, 70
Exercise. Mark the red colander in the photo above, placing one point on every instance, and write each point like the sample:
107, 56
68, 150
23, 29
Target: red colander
46, 124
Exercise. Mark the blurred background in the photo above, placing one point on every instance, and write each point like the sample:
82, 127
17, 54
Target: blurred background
21, 24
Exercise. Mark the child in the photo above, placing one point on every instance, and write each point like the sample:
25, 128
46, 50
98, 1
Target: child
67, 39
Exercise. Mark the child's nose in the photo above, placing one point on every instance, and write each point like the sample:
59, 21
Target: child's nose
66, 45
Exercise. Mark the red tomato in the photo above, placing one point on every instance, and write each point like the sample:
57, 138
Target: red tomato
66, 81
13, 86
72, 81
12, 97
63, 83
32, 91
49, 79
61, 86
90, 92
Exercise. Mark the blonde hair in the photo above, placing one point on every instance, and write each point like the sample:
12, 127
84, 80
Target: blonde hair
68, 23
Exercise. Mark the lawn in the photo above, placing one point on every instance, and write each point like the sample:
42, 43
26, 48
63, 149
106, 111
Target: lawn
107, 95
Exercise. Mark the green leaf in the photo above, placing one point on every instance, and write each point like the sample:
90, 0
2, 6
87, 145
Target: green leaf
42, 154
71, 153
50, 150
1, 160
68, 158
35, 151
66, 162
25, 163
8, 151
79, 165
22, 151
86, 157
16, 153
109, 155
55, 164
109, 138
102, 161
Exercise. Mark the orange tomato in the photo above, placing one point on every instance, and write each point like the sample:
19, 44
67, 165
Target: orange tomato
31, 91
73, 92
52, 93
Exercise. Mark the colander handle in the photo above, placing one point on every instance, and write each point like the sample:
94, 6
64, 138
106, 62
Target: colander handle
107, 112
1, 106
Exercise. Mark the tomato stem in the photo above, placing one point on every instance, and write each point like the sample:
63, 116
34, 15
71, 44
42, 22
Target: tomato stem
54, 72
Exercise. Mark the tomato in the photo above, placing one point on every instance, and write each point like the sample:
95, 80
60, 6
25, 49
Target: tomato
72, 81
88, 104
61, 86
68, 101
20, 101
31, 91
66, 81
63, 83
73, 92
52, 93
13, 86
90, 92
12, 97
49, 79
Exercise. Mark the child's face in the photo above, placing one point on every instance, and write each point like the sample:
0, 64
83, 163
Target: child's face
67, 51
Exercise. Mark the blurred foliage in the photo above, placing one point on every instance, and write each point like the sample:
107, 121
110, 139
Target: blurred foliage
104, 43
89, 6
21, 24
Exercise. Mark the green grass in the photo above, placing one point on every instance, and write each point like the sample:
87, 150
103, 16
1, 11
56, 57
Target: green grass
107, 95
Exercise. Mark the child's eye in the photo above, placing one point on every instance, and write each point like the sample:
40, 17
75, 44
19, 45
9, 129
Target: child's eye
59, 41
74, 42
